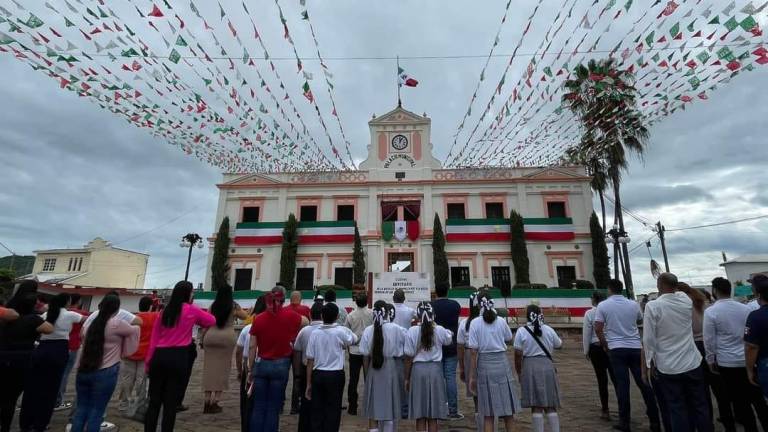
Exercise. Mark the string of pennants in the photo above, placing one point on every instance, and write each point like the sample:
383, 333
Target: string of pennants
679, 53
173, 70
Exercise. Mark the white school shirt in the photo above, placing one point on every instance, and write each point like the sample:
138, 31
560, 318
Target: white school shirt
753, 305
488, 338
462, 335
63, 325
244, 340
122, 315
302, 339
394, 340
667, 335
620, 316
724, 324
404, 315
327, 344
525, 343
588, 334
442, 337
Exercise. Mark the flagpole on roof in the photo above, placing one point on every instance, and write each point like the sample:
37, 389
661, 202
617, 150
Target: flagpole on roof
399, 102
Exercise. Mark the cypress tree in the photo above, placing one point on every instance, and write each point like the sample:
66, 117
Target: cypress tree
220, 260
358, 260
519, 249
439, 258
288, 253
600, 261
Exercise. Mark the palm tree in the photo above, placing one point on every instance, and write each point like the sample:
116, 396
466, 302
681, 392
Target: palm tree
596, 168
603, 97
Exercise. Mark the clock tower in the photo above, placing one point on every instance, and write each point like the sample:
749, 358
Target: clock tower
400, 147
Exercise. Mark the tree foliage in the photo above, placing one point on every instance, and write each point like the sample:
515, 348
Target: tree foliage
220, 260
601, 272
439, 258
519, 249
358, 260
288, 252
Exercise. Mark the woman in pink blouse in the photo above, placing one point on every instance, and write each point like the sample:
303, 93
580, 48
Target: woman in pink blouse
168, 350
107, 339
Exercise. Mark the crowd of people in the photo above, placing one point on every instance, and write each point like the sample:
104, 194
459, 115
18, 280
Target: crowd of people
690, 349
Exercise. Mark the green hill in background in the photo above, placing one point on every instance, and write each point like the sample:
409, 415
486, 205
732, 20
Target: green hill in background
22, 264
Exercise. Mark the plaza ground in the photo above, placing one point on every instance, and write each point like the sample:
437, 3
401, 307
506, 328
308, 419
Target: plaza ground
580, 411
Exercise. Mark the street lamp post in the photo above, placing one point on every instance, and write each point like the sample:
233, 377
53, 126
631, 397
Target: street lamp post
189, 241
617, 237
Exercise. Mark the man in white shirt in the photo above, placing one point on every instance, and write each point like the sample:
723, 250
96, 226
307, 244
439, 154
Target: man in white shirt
616, 326
671, 354
404, 316
724, 324
357, 321
300, 362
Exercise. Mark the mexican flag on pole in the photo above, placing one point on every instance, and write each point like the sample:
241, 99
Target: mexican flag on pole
400, 230
404, 79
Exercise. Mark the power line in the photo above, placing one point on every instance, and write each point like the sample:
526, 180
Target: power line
629, 212
719, 223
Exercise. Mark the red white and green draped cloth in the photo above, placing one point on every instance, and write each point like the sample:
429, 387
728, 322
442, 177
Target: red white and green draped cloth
488, 230
400, 230
268, 233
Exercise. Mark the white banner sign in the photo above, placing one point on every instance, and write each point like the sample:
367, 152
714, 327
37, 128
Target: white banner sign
417, 286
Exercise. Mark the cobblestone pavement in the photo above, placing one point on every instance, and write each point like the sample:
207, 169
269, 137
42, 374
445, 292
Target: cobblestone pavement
580, 411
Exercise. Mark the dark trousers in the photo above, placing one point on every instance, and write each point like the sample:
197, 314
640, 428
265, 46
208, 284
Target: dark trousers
166, 386
355, 365
14, 367
295, 395
626, 361
305, 410
245, 406
603, 370
716, 384
41, 389
685, 400
745, 397
192, 355
327, 391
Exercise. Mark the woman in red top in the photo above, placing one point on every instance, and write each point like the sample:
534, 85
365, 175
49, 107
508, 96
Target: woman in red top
272, 336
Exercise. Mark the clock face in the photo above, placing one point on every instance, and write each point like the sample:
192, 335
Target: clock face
399, 142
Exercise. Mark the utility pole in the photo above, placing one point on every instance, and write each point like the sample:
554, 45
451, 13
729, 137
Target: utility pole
660, 231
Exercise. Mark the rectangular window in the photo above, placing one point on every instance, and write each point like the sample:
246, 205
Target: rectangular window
308, 213
459, 277
345, 212
49, 264
251, 214
566, 276
342, 276
72, 264
402, 261
494, 210
305, 278
456, 211
243, 278
79, 263
500, 278
556, 209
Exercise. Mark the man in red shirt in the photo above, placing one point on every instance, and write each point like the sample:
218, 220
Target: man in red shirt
272, 336
75, 305
296, 305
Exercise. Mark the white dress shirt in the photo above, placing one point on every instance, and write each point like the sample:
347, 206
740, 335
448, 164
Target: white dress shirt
488, 338
404, 315
244, 340
326, 346
394, 340
302, 339
442, 337
620, 316
357, 321
588, 334
753, 305
724, 332
667, 334
525, 343
462, 335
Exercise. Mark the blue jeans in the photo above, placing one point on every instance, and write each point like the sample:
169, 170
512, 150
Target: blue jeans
63, 387
762, 374
449, 373
94, 389
625, 361
270, 378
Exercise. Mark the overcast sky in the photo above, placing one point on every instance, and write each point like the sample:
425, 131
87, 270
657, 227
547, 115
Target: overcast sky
71, 171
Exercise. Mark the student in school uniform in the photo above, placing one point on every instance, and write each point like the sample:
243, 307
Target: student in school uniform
597, 355
534, 343
325, 370
427, 399
242, 348
404, 316
300, 362
465, 354
379, 345
491, 378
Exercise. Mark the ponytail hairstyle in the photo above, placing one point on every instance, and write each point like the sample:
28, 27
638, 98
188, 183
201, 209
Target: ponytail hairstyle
427, 319
486, 308
57, 303
181, 294
380, 315
535, 318
474, 310
222, 306
93, 346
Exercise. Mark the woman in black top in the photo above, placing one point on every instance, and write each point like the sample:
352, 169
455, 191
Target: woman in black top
17, 341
